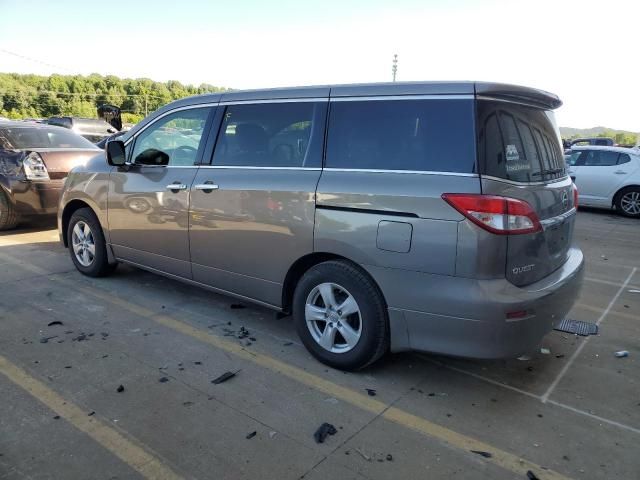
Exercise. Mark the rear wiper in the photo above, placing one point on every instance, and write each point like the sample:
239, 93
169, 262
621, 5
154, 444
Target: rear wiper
547, 172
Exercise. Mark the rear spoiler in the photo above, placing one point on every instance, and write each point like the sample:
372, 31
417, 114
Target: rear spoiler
517, 94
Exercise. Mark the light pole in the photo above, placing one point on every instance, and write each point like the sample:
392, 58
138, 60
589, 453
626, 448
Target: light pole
394, 69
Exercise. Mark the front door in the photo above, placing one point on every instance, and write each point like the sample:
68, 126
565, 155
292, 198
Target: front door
149, 202
252, 210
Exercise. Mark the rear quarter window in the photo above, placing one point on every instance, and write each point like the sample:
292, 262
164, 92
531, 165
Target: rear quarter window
518, 143
413, 135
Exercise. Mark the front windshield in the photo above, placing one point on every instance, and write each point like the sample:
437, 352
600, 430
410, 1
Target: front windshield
21, 138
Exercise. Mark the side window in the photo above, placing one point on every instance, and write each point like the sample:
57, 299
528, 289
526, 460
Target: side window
623, 158
287, 134
421, 135
178, 135
601, 158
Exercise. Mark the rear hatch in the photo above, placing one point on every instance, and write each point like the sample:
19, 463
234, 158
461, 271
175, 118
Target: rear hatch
520, 156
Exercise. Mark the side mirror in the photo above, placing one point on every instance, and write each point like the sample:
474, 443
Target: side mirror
116, 154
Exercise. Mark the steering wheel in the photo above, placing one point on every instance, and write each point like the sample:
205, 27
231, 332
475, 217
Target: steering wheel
185, 154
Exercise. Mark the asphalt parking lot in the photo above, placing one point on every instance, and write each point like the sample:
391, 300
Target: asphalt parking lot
571, 413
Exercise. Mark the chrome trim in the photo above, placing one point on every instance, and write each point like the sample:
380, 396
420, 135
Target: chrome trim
177, 186
274, 100
419, 172
524, 184
169, 112
206, 186
549, 222
248, 167
402, 97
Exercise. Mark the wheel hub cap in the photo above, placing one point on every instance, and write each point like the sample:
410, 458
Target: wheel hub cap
84, 247
333, 318
631, 203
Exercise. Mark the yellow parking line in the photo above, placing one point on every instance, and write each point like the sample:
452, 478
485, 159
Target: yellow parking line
133, 455
501, 458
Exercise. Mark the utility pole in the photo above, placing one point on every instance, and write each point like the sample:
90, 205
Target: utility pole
394, 69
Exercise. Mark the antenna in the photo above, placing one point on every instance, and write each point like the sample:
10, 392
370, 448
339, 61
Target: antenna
394, 69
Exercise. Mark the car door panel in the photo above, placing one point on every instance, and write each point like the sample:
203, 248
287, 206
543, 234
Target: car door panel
148, 207
257, 219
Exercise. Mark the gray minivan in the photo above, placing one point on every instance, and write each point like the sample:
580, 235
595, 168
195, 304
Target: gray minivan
408, 216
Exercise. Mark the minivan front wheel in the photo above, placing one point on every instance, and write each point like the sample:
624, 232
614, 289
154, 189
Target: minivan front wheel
340, 315
628, 202
87, 245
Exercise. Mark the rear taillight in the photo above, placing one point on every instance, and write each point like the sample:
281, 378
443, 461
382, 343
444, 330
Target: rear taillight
500, 215
575, 195
34, 167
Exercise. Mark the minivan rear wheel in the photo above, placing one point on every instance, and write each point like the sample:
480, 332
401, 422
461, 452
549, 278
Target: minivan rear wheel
87, 245
628, 202
340, 315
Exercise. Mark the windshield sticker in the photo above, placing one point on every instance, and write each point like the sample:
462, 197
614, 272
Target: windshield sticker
514, 164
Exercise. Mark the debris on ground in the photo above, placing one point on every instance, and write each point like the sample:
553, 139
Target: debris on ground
482, 454
120, 389
197, 363
46, 339
371, 392
91, 413
272, 433
56, 417
79, 338
545, 351
524, 358
323, 431
364, 455
55, 322
237, 306
622, 354
532, 476
224, 377
389, 457
187, 404
560, 355
163, 379
332, 400
435, 394
251, 435
634, 291
287, 344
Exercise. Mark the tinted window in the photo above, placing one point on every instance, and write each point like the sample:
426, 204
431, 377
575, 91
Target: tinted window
598, 158
286, 134
623, 158
25, 137
426, 135
518, 143
178, 135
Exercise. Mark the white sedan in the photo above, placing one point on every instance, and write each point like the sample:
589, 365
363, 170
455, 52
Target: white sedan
607, 177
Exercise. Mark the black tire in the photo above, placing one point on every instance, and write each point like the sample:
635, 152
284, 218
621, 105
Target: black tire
619, 201
374, 336
8, 216
99, 266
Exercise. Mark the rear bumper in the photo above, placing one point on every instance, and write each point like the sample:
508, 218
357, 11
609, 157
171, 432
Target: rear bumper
37, 198
468, 318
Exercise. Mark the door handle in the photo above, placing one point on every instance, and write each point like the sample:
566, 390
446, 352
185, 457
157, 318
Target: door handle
620, 172
174, 187
206, 187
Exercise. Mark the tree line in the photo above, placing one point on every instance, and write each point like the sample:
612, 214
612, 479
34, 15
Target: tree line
36, 96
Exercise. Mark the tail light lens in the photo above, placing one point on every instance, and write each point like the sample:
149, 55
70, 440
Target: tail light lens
500, 215
575, 195
34, 167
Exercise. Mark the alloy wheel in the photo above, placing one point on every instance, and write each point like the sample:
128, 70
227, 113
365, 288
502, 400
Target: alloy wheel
630, 203
84, 246
333, 318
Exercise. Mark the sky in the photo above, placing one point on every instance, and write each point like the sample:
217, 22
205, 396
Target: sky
586, 52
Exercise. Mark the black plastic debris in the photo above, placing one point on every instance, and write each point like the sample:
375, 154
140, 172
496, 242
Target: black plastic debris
46, 339
120, 389
163, 379
251, 435
55, 322
371, 392
67, 366
56, 417
287, 344
482, 454
532, 476
253, 339
80, 338
323, 431
197, 363
389, 457
560, 355
187, 404
237, 306
91, 414
224, 377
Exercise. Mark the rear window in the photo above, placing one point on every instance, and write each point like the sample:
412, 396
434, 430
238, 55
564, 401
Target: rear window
25, 138
518, 143
420, 135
